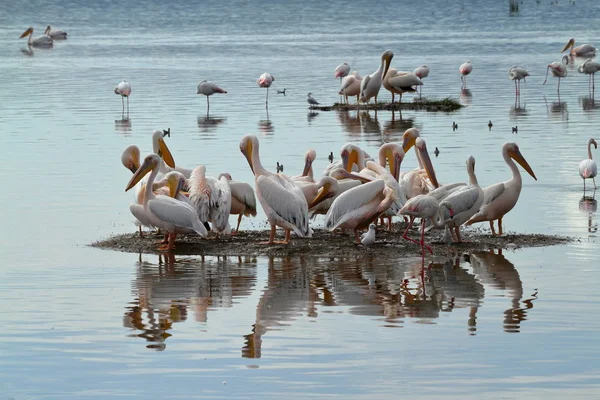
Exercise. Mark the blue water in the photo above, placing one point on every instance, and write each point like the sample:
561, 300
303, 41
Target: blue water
86, 323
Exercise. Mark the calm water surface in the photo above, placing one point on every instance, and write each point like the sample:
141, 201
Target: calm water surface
84, 323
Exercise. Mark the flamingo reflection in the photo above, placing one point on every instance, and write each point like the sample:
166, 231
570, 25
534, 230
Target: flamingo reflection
588, 207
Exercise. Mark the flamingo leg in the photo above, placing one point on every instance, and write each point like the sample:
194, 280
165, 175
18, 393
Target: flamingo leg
237, 228
458, 238
267, 101
423, 245
412, 219
207, 105
594, 180
127, 106
122, 105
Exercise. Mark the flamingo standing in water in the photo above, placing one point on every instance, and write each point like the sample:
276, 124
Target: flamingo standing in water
426, 208
124, 90
516, 74
559, 70
465, 69
588, 168
590, 67
421, 72
265, 81
208, 88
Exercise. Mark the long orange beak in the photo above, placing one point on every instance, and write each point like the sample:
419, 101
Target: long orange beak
27, 32
139, 174
324, 193
165, 153
247, 152
518, 157
427, 164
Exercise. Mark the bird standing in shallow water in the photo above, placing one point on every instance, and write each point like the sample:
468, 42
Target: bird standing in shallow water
265, 81
465, 69
124, 90
208, 88
311, 100
588, 168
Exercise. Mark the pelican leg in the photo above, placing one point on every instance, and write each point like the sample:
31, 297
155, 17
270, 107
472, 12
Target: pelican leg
500, 226
170, 244
356, 237
271, 236
492, 228
389, 224
237, 228
142, 233
288, 236
458, 238
412, 219
392, 98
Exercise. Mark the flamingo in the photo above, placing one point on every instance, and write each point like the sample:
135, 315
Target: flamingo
370, 85
342, 71
265, 81
421, 72
282, 201
208, 88
124, 90
211, 199
516, 74
428, 209
587, 168
40, 41
590, 67
465, 69
169, 214
56, 33
559, 70
583, 50
398, 82
500, 198
351, 86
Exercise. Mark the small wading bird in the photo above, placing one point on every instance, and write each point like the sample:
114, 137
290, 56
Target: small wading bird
40, 41
370, 85
265, 81
590, 67
583, 50
208, 88
501, 197
516, 74
559, 70
465, 69
56, 33
311, 100
588, 168
124, 90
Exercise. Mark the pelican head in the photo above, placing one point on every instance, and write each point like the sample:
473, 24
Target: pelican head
328, 188
351, 154
227, 176
393, 154
310, 157
150, 163
131, 158
176, 181
426, 160
409, 138
386, 57
570, 43
48, 29
512, 150
160, 147
29, 31
247, 145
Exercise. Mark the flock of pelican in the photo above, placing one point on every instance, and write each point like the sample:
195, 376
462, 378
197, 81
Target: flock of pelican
45, 40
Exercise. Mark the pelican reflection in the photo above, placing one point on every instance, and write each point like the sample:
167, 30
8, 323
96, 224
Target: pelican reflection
370, 124
394, 128
349, 121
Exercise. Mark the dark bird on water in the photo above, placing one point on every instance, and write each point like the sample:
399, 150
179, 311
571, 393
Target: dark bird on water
454, 126
490, 124
281, 92
279, 167
167, 132
330, 157
515, 129
436, 152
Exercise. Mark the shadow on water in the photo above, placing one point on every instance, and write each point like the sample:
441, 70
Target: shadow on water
28, 51
588, 207
123, 125
209, 124
306, 287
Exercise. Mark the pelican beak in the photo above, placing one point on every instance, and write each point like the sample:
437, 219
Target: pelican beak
518, 157
247, 152
165, 153
349, 160
397, 162
388, 61
408, 142
139, 174
324, 193
569, 44
175, 187
362, 179
307, 165
27, 32
428, 166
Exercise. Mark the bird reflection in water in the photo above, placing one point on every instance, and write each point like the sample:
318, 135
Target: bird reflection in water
588, 103
123, 125
394, 128
558, 109
310, 116
28, 51
466, 97
370, 124
349, 121
588, 207
210, 124
517, 110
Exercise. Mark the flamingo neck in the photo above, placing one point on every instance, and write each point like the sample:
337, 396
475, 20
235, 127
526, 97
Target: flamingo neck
438, 219
149, 193
513, 167
590, 150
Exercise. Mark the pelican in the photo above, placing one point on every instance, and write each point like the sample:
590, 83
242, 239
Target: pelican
265, 81
583, 50
282, 201
356, 208
311, 100
399, 196
590, 67
516, 74
464, 202
398, 82
465, 69
208, 88
345, 181
342, 71
426, 208
351, 86
169, 214
211, 199
368, 238
559, 70
500, 198
307, 172
316, 192
423, 179
124, 90
370, 85
56, 33
160, 147
40, 41
587, 168
421, 72
243, 201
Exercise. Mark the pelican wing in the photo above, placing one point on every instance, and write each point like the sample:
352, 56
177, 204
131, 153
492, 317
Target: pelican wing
285, 199
364, 83
178, 213
221, 206
351, 200
492, 192
404, 80
244, 193
464, 199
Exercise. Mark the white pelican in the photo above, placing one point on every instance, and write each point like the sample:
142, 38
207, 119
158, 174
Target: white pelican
342, 71
399, 197
583, 50
370, 85
307, 172
243, 201
423, 179
421, 72
590, 67
398, 82
587, 168
211, 199
282, 201
516, 74
124, 90
351, 86
464, 202
40, 41
265, 81
317, 192
345, 181
465, 69
559, 70
356, 208
501, 197
311, 100
56, 33
169, 214
160, 147
368, 238
426, 208
208, 88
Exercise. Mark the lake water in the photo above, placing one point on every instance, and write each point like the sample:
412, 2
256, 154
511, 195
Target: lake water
79, 322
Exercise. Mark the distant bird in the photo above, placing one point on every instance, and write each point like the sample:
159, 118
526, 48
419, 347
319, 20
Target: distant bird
311, 100
55, 34
370, 85
40, 41
351, 86
330, 157
368, 238
436, 152
279, 167
515, 129
583, 50
465, 69
124, 90
265, 81
490, 125
281, 91
421, 72
559, 70
341, 71
167, 132
208, 88
426, 208
399, 82
590, 67
588, 168
516, 74
454, 126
